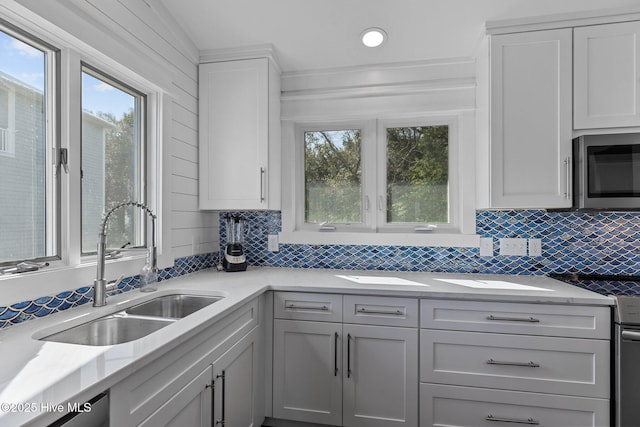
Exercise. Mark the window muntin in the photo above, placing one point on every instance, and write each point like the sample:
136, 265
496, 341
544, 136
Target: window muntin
113, 160
28, 189
417, 171
333, 177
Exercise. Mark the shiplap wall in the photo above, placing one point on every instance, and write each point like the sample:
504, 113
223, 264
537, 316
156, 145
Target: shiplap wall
129, 31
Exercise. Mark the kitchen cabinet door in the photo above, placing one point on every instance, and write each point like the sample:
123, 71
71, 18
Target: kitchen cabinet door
191, 406
380, 379
531, 128
307, 375
607, 71
235, 383
239, 135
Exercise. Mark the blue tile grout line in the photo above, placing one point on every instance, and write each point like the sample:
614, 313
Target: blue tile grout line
606, 243
44, 306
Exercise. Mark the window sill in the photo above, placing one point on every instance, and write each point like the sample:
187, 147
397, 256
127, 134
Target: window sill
57, 278
381, 239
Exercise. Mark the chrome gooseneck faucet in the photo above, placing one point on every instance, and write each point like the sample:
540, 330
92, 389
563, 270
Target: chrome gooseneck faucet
100, 286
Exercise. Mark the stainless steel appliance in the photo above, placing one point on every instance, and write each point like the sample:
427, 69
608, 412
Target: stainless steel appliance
626, 341
606, 171
94, 413
234, 257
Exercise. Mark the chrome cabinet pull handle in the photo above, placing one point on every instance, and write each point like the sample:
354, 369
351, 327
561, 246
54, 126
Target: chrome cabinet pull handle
221, 421
263, 172
506, 363
348, 355
301, 307
567, 164
212, 386
513, 319
530, 420
335, 355
391, 313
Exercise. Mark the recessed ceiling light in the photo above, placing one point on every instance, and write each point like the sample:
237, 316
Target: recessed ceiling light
373, 37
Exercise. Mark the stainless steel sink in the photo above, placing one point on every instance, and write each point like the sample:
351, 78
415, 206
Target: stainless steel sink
110, 330
172, 306
134, 322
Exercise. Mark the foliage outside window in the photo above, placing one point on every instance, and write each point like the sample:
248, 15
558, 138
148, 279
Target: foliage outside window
27, 178
333, 181
113, 153
358, 179
418, 174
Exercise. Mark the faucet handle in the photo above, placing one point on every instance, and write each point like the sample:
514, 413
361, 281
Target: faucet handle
113, 285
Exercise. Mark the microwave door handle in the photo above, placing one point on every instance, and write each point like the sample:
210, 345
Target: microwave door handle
567, 166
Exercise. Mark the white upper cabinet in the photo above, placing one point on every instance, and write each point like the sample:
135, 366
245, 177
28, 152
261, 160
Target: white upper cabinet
239, 135
607, 72
530, 104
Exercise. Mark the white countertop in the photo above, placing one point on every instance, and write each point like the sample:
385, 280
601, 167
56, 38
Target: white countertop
35, 376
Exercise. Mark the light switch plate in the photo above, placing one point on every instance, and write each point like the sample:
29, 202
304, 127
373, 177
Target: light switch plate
513, 246
272, 244
486, 246
535, 247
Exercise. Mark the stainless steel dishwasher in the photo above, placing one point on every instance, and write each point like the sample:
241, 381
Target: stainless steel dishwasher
627, 361
96, 414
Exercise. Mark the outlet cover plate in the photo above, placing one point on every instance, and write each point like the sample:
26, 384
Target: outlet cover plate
513, 246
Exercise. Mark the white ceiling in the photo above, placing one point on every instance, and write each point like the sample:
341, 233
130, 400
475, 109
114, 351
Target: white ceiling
318, 34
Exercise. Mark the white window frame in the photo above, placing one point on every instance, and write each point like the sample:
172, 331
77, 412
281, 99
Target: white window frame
51, 126
99, 73
453, 225
367, 134
459, 232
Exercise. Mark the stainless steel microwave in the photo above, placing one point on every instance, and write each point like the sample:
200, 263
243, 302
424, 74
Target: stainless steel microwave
606, 171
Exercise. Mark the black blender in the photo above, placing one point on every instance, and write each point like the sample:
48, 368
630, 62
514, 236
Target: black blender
234, 257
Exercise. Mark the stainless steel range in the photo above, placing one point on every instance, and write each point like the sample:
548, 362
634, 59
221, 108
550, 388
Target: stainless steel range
626, 341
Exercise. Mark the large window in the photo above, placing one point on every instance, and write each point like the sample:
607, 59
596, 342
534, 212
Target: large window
394, 178
28, 196
113, 166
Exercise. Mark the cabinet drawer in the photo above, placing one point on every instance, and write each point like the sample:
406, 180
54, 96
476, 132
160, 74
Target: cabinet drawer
531, 319
383, 311
307, 306
443, 405
569, 366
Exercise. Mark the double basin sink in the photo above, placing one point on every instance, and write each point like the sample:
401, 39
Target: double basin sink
134, 322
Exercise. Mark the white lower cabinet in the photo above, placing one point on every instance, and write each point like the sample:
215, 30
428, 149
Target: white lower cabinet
191, 406
347, 374
445, 405
213, 379
380, 387
307, 371
235, 385
492, 364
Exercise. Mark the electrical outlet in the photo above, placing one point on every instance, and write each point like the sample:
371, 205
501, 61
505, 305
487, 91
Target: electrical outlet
486, 246
513, 246
535, 247
272, 244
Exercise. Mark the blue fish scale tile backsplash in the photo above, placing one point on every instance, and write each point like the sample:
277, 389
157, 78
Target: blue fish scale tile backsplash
572, 242
603, 243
